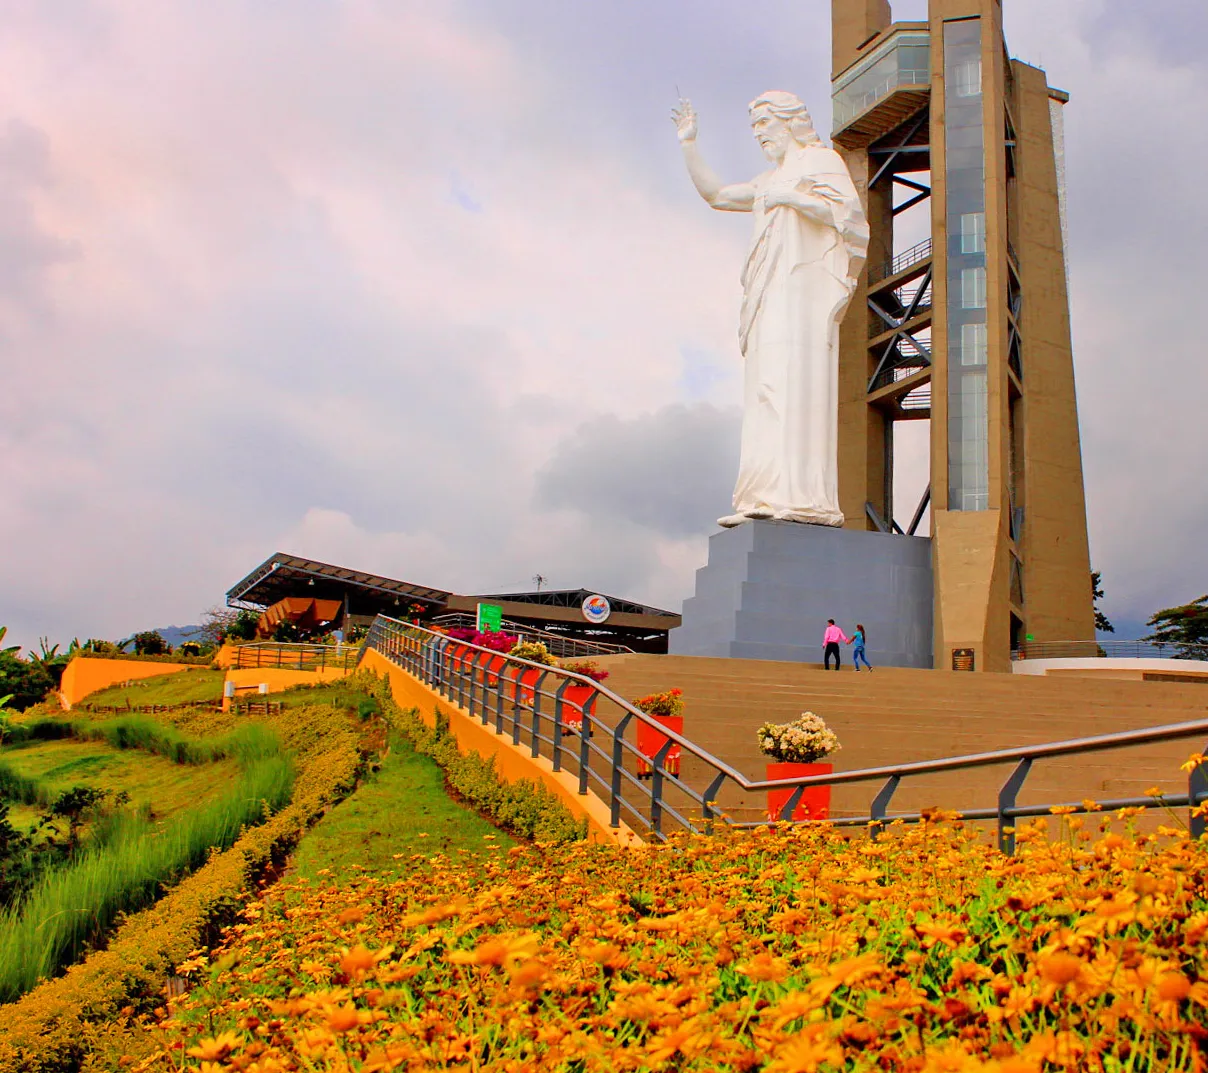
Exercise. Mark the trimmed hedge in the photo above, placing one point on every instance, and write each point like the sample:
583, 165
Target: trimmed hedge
524, 808
134, 657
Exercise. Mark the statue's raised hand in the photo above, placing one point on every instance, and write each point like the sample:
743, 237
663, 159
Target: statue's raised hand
685, 120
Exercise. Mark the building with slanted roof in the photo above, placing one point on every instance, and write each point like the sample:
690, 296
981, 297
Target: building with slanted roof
283, 584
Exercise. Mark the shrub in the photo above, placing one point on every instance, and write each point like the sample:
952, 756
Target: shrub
589, 668
803, 741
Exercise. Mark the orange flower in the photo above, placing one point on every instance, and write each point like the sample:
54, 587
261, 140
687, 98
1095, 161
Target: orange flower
1060, 968
357, 961
765, 968
1172, 986
806, 1052
217, 1047
343, 1018
498, 950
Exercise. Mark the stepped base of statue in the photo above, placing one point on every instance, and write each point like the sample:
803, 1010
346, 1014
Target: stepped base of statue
770, 586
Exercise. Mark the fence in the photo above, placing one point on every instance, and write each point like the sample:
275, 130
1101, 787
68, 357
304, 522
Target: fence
147, 709
294, 657
558, 645
1108, 650
584, 728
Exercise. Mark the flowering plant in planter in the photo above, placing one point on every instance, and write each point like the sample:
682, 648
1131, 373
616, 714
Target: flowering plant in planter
589, 668
667, 703
534, 652
495, 641
805, 740
462, 633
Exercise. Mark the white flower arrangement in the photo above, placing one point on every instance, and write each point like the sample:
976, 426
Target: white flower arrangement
803, 741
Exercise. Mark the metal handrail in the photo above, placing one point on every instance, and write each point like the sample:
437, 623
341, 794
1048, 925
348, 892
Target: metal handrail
291, 656
1139, 649
463, 673
920, 251
558, 644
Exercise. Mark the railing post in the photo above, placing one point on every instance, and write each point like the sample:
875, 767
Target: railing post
556, 756
790, 806
1197, 787
880, 806
710, 796
1006, 800
618, 765
656, 787
500, 687
474, 658
536, 745
585, 742
517, 694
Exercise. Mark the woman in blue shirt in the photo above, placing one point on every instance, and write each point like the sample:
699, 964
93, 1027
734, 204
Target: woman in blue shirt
858, 652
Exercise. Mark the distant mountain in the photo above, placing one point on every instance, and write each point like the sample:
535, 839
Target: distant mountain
175, 635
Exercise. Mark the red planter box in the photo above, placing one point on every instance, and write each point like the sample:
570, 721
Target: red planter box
522, 676
573, 699
650, 741
815, 801
493, 665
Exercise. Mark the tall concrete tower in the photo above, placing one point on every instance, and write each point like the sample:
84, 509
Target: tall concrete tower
962, 320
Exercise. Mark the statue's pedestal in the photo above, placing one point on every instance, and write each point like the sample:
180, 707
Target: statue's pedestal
769, 588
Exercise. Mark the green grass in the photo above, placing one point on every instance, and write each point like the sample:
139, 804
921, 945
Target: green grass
184, 687
399, 811
168, 788
70, 907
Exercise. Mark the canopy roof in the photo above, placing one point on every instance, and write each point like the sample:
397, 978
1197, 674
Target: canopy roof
283, 575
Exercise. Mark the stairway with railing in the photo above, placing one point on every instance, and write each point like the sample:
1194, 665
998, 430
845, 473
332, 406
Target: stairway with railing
586, 729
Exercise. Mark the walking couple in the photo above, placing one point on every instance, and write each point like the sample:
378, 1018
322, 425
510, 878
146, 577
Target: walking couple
830, 645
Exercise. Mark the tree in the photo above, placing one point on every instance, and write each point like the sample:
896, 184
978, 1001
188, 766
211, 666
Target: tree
150, 643
1183, 627
25, 682
51, 660
1101, 622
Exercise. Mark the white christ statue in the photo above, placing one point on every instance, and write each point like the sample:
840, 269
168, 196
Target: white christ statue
811, 238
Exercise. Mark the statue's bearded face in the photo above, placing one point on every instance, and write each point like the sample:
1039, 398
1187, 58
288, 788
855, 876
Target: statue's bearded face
772, 133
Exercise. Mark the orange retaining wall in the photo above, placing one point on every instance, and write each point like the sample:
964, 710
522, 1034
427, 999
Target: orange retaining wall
84, 675
511, 762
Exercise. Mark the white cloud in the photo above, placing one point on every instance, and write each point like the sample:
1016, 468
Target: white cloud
346, 280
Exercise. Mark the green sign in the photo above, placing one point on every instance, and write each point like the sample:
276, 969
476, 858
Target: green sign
490, 618
1029, 638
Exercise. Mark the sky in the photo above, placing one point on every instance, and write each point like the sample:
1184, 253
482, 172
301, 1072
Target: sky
422, 288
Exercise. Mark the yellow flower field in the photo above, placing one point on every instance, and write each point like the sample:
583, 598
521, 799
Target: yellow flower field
787, 950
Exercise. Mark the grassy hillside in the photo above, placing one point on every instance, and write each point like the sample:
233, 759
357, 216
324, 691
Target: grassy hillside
164, 787
195, 685
401, 812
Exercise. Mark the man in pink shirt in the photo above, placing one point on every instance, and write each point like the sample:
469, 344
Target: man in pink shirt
830, 642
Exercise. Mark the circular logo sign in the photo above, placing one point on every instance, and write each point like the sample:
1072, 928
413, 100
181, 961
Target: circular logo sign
596, 609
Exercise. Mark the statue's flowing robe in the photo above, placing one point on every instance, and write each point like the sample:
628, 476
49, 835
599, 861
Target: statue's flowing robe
797, 282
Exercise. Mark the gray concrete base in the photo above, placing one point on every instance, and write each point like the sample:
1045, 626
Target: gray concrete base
769, 588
